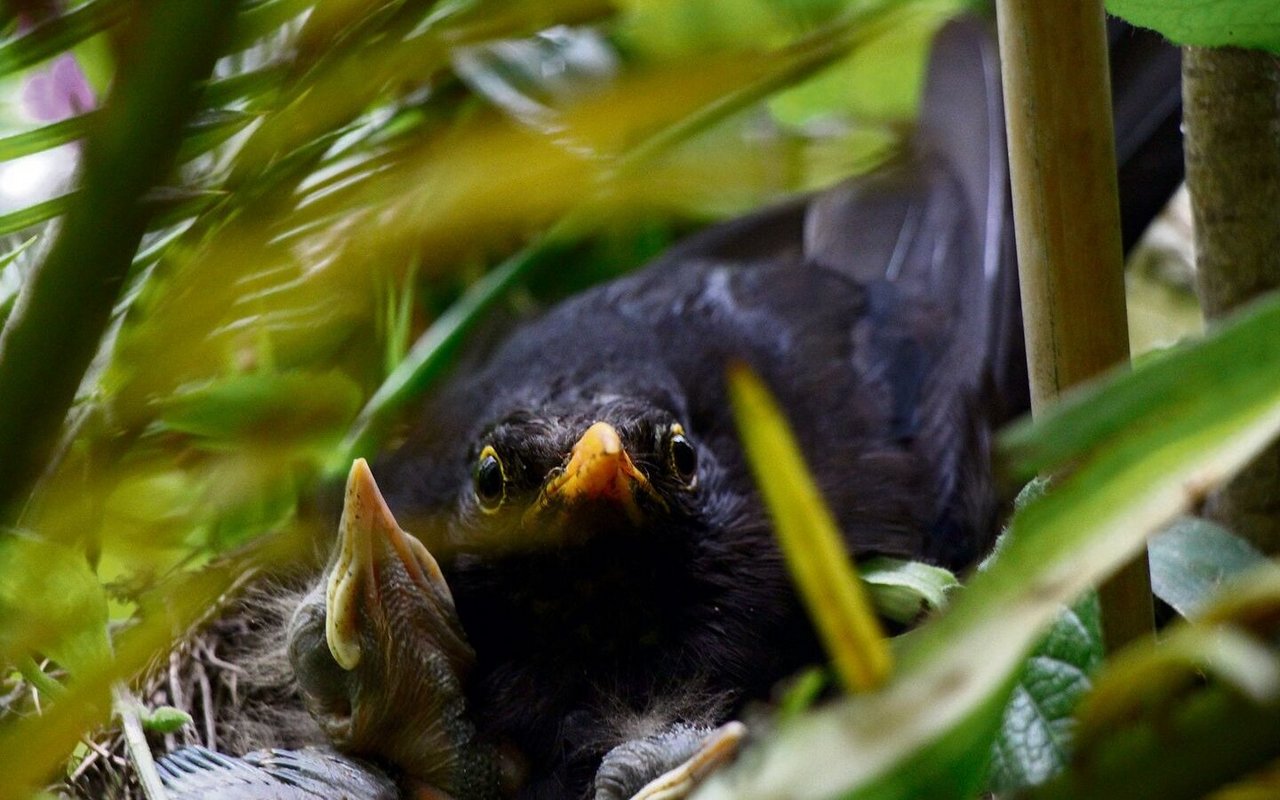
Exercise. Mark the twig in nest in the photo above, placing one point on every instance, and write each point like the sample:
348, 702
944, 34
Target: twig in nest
136, 743
206, 701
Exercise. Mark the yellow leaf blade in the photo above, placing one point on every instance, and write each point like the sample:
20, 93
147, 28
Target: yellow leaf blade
810, 540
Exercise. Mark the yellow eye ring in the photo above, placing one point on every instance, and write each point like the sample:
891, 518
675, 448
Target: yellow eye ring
681, 455
489, 480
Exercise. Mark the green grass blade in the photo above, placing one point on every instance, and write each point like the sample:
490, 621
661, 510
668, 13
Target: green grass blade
34, 214
811, 542
262, 19
210, 129
46, 136
431, 353
60, 33
1163, 447
206, 132
250, 86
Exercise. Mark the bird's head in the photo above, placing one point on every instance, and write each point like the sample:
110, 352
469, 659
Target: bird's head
377, 648
543, 481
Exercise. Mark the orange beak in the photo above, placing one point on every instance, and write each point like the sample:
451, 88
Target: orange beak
599, 468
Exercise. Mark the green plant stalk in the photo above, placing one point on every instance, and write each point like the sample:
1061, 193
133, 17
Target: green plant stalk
1231, 112
1067, 221
809, 538
55, 327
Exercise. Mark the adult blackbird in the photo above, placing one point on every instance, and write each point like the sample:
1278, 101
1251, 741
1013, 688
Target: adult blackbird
584, 490
584, 487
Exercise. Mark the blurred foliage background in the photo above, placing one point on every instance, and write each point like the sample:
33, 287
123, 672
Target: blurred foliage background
360, 184
354, 173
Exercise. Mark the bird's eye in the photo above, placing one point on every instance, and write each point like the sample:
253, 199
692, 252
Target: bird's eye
680, 452
489, 481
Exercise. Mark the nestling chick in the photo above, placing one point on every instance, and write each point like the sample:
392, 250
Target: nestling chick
380, 660
380, 655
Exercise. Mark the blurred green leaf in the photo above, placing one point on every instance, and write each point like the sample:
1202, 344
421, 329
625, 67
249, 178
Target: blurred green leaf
60, 33
252, 87
261, 19
1192, 558
32, 748
345, 84
878, 81
1188, 381
1236, 23
670, 30
1035, 739
52, 583
209, 129
275, 407
1139, 442
820, 564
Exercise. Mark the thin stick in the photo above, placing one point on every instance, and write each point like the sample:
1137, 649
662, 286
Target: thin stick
136, 743
1067, 219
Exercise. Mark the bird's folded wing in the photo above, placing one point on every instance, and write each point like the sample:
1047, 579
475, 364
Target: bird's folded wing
197, 773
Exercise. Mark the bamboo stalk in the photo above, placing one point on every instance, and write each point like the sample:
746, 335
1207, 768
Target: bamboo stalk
1231, 101
1067, 221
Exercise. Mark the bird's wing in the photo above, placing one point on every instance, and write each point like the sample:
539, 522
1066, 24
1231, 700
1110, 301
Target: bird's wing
197, 773
930, 240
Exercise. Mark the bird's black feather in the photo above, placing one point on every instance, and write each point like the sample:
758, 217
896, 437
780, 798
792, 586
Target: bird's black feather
876, 312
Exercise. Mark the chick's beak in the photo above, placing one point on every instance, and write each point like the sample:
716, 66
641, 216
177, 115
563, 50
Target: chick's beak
372, 548
598, 468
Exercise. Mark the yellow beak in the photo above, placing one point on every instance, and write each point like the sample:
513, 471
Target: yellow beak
598, 468
370, 543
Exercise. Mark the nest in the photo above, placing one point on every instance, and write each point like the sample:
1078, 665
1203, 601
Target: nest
231, 677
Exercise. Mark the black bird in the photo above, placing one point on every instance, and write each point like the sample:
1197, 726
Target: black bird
584, 487
584, 490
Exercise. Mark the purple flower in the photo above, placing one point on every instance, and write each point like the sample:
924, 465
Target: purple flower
58, 92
